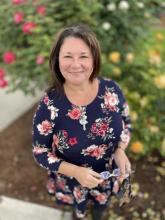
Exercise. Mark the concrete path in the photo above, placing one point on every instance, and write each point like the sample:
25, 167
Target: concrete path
12, 106
19, 210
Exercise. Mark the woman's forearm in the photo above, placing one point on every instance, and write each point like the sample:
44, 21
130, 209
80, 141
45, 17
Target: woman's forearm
68, 169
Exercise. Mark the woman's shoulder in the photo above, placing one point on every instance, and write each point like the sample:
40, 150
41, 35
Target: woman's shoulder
109, 82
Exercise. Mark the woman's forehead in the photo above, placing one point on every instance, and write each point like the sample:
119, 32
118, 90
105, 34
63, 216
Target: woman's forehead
72, 44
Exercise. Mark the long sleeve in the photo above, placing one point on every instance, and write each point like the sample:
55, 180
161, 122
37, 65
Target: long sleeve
44, 150
125, 113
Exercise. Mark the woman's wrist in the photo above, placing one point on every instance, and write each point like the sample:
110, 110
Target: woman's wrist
122, 146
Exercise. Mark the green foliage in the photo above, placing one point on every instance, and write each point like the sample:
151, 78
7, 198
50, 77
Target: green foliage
133, 51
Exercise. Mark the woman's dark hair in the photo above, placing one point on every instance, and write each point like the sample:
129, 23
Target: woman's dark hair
78, 31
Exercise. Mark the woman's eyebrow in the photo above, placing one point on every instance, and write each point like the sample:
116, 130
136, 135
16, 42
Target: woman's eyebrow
83, 52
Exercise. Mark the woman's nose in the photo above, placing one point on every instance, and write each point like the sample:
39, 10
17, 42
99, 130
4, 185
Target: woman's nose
76, 63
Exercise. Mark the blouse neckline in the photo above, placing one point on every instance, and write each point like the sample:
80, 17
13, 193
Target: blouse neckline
92, 102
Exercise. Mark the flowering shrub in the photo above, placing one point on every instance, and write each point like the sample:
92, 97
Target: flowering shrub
132, 53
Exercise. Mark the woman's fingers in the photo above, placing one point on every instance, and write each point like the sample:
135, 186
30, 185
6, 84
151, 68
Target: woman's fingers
95, 174
93, 179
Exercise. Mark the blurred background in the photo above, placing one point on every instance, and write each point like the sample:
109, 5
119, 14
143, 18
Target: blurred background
132, 38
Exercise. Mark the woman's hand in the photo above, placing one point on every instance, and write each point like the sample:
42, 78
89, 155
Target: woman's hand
87, 177
122, 162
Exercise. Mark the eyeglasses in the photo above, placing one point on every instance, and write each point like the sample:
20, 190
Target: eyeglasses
115, 173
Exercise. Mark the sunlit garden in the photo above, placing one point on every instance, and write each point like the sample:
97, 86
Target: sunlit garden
132, 37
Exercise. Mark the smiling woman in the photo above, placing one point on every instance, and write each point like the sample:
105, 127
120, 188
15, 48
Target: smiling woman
81, 126
76, 61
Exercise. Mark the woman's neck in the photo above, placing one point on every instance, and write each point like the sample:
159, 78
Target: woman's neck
79, 88
82, 95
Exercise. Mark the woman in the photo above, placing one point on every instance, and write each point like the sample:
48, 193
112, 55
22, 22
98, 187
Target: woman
81, 124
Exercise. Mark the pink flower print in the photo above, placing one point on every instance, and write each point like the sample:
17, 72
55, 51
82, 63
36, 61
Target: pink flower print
94, 128
28, 27
101, 133
52, 158
39, 150
72, 141
78, 113
41, 10
18, 17
125, 111
75, 114
64, 198
104, 126
61, 183
79, 194
50, 186
65, 133
9, 57
95, 151
55, 140
111, 100
45, 127
46, 100
101, 127
101, 198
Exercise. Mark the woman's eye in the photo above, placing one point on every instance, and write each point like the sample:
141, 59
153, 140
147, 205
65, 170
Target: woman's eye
84, 56
67, 57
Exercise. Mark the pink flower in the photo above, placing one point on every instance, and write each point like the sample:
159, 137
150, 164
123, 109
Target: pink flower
9, 57
72, 141
78, 194
65, 133
46, 99
55, 140
45, 127
74, 114
28, 27
95, 151
41, 10
61, 184
51, 186
111, 100
101, 133
3, 83
18, 17
65, 198
2, 73
39, 150
104, 126
52, 158
18, 2
40, 59
102, 198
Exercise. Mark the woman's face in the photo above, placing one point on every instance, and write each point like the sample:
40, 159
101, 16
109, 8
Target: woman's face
75, 61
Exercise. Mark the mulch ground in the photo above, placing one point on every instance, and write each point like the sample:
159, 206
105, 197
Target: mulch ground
22, 178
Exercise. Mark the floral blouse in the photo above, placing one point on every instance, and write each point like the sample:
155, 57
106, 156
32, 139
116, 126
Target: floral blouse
82, 135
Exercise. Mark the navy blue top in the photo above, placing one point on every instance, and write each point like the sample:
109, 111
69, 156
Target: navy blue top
82, 135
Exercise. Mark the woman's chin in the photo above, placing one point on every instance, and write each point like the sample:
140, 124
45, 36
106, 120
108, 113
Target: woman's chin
77, 81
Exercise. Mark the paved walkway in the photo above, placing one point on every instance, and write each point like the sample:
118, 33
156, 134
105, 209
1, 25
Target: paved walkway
19, 210
12, 106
